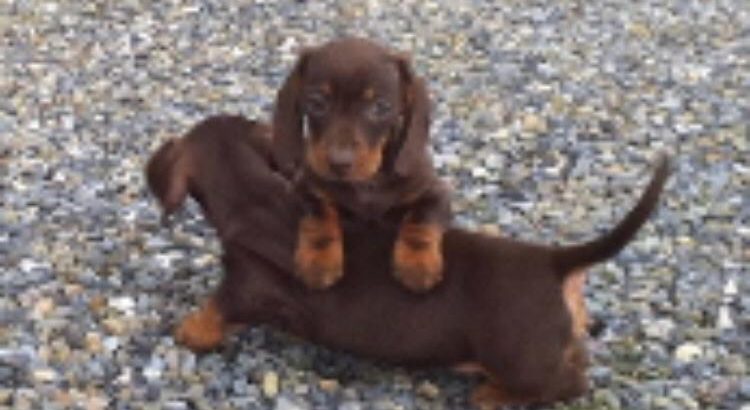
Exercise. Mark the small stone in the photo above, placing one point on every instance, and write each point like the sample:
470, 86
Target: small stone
111, 344
96, 403
724, 321
124, 304
490, 229
329, 385
683, 400
15, 358
154, 370
660, 329
735, 365
533, 123
350, 405
43, 308
176, 405
270, 384
688, 352
93, 342
604, 398
502, 133
283, 403
5, 395
125, 377
745, 388
44, 375
639, 30
97, 304
730, 288
661, 403
428, 390
114, 326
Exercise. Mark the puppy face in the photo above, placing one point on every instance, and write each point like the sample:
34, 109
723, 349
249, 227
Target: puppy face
350, 109
346, 109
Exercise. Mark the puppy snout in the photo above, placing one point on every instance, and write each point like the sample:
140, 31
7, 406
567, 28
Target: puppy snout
340, 160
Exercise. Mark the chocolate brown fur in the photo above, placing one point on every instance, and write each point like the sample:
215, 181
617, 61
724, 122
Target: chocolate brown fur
512, 310
354, 120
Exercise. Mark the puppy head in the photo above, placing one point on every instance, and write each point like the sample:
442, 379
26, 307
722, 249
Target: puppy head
349, 109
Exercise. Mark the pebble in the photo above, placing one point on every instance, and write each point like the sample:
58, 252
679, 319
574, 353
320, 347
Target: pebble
154, 369
175, 405
19, 359
6, 395
660, 329
93, 342
43, 308
124, 304
114, 325
283, 403
270, 384
745, 387
350, 405
428, 390
735, 365
44, 375
328, 385
533, 123
688, 352
605, 399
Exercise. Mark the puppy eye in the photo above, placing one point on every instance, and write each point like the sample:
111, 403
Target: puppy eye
316, 105
379, 110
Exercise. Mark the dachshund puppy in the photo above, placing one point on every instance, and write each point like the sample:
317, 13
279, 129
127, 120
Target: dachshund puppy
512, 310
354, 117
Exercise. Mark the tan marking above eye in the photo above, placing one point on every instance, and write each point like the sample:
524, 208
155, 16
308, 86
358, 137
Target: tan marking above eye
326, 88
369, 93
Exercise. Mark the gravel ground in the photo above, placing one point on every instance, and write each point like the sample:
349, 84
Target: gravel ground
547, 119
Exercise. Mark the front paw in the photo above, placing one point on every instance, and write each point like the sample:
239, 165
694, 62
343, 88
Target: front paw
201, 330
319, 262
417, 257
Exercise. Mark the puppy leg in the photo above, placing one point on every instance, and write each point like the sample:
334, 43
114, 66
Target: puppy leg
490, 396
319, 256
203, 329
417, 257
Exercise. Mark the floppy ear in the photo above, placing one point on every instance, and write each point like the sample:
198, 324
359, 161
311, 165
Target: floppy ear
288, 138
167, 174
414, 133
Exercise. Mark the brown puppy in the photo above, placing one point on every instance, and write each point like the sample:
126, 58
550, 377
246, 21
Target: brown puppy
511, 309
356, 118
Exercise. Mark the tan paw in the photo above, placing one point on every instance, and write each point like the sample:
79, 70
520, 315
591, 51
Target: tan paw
418, 258
201, 330
319, 263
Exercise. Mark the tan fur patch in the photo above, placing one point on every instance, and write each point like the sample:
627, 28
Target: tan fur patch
367, 160
572, 288
315, 155
418, 260
369, 93
203, 329
491, 396
319, 256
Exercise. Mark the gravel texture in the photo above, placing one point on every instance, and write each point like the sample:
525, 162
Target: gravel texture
547, 118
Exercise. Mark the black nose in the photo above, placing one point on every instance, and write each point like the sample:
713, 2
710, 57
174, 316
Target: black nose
340, 160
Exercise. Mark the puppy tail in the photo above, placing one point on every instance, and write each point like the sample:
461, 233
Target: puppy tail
570, 259
167, 175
